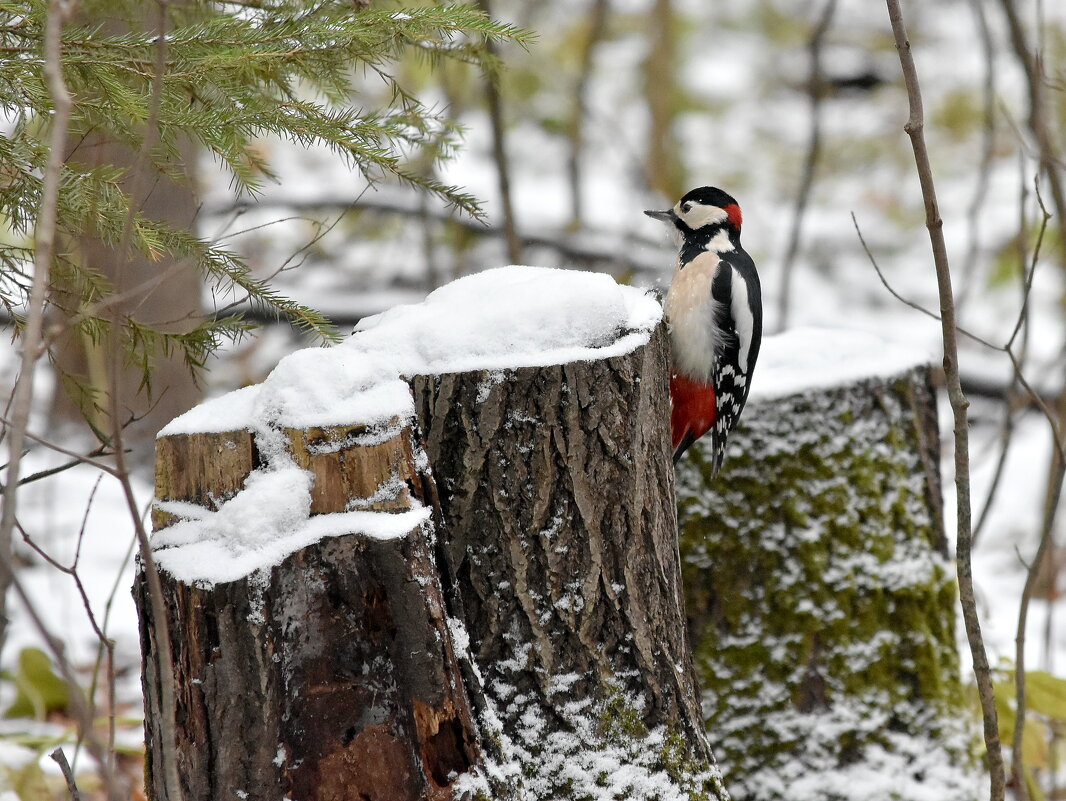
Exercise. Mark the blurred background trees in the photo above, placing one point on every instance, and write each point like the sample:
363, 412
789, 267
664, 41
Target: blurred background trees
615, 106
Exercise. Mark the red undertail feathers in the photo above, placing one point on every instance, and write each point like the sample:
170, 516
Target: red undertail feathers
694, 411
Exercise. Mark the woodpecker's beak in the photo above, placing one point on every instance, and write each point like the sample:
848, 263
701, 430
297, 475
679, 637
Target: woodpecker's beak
667, 216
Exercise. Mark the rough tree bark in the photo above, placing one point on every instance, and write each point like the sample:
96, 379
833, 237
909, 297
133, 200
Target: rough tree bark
559, 533
821, 599
333, 676
345, 671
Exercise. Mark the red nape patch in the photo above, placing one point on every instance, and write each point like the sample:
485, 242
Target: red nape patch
694, 409
735, 217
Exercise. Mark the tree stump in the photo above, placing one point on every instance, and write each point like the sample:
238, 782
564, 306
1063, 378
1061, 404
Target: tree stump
526, 641
332, 675
820, 596
559, 536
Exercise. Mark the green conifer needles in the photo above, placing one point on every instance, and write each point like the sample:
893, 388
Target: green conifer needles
232, 74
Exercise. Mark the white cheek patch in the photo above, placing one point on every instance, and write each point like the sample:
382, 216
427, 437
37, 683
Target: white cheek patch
699, 216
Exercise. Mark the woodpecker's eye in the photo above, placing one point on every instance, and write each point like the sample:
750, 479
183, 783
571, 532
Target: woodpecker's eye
686, 207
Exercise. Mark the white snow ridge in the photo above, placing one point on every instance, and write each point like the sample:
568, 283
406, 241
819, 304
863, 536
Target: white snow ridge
505, 318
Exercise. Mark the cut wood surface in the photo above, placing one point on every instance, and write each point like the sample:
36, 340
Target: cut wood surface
333, 675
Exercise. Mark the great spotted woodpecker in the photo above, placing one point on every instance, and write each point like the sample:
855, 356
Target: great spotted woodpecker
714, 311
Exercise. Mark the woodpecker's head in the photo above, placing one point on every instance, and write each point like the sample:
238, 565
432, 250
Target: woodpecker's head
707, 217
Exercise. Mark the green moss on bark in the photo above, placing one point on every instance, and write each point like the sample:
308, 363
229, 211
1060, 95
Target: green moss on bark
821, 602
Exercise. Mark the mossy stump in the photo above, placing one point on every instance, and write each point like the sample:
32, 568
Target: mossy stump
821, 600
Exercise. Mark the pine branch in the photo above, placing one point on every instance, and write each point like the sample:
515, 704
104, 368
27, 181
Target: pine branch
226, 76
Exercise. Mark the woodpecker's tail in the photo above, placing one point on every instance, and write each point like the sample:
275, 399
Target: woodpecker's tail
718, 447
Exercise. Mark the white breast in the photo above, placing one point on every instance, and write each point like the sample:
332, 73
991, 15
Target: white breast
690, 309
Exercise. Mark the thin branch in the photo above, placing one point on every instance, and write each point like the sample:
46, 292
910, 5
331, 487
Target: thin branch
499, 154
916, 306
603, 248
60, 449
815, 91
988, 141
1022, 324
1031, 577
1040, 402
61, 759
1005, 439
322, 232
76, 704
1023, 313
51, 471
595, 27
1043, 136
44, 247
914, 128
160, 628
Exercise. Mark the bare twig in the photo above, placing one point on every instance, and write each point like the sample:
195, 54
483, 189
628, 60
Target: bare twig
44, 247
1051, 505
80, 458
815, 91
1035, 396
159, 626
604, 247
106, 644
499, 155
1005, 438
1021, 324
595, 27
1051, 166
915, 131
988, 141
51, 471
61, 759
1043, 136
1027, 287
916, 306
76, 704
1032, 574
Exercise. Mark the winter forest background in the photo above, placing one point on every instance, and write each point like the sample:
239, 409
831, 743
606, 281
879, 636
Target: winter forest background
601, 109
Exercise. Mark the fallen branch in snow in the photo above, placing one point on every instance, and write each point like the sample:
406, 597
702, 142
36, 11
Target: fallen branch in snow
914, 128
